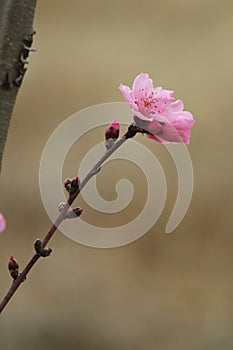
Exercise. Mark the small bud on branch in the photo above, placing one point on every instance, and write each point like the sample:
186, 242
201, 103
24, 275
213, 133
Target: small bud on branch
112, 133
13, 267
72, 185
71, 214
44, 252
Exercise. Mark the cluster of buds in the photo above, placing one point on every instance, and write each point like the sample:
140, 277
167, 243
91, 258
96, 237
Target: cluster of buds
13, 267
40, 250
112, 133
72, 185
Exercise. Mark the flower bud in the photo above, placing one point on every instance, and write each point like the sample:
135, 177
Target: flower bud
73, 213
112, 133
77, 211
13, 267
72, 185
44, 252
67, 184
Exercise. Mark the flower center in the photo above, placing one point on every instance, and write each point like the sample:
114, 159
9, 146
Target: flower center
152, 101
149, 100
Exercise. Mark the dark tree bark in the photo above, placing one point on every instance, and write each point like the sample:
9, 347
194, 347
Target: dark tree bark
16, 34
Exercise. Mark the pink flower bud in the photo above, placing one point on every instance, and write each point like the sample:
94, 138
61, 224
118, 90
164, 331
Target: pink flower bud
112, 130
77, 211
112, 133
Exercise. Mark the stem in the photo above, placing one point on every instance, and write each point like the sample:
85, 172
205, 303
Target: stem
94, 170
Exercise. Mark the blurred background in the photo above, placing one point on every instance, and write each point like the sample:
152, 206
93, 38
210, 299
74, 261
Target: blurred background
163, 291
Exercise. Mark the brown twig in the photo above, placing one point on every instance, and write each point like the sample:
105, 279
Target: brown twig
22, 276
132, 130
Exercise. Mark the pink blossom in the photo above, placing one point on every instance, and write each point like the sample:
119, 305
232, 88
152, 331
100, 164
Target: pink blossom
157, 112
2, 223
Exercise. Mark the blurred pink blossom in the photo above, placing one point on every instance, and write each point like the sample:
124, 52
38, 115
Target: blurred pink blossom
157, 112
2, 223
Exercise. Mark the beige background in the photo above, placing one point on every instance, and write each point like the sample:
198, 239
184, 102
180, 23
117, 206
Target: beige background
161, 292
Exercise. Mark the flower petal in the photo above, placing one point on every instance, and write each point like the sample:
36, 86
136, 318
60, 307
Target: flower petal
156, 138
143, 115
142, 81
176, 106
127, 93
2, 223
176, 132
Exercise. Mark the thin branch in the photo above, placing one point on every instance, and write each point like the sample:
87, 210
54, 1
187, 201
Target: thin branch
132, 130
16, 31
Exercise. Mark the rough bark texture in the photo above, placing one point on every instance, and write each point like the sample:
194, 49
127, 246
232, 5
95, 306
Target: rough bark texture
16, 32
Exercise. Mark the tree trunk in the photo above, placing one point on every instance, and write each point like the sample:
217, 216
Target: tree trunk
16, 33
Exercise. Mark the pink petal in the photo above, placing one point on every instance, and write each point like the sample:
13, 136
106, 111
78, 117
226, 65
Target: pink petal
2, 223
184, 123
160, 117
142, 81
154, 127
171, 134
128, 94
185, 135
143, 115
175, 106
156, 138
186, 115
115, 124
176, 132
163, 94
